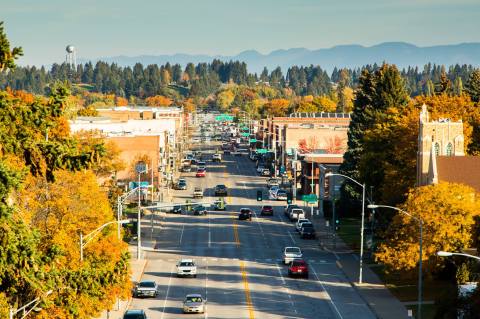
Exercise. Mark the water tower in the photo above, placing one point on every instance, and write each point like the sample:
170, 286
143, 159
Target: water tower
71, 58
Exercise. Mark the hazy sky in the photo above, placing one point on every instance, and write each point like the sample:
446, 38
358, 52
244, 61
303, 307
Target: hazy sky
226, 27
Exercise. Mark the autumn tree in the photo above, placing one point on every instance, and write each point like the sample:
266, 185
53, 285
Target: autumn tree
158, 100
448, 213
276, 107
121, 101
324, 104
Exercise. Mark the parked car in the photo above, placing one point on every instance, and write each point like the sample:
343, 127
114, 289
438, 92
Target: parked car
221, 190
200, 210
307, 231
245, 213
298, 267
177, 209
186, 267
201, 173
296, 214
299, 223
135, 314
197, 192
193, 303
267, 210
146, 288
291, 253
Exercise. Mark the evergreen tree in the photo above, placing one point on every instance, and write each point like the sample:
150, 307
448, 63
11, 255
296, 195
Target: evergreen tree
473, 85
7, 56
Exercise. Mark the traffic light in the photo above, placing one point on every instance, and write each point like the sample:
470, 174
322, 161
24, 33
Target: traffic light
289, 198
259, 196
337, 224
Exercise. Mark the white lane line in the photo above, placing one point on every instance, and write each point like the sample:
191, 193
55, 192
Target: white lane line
181, 234
206, 290
209, 233
291, 237
329, 298
286, 288
168, 290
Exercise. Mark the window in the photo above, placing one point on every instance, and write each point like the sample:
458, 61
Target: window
449, 149
437, 149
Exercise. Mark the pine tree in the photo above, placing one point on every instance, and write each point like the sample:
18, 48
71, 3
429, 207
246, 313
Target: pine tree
458, 86
7, 56
473, 85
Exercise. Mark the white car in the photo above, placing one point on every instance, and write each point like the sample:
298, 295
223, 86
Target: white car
296, 214
281, 194
272, 193
202, 165
291, 253
186, 267
194, 303
146, 288
216, 157
260, 168
299, 223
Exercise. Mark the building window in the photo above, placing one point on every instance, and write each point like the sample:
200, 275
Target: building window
437, 149
449, 149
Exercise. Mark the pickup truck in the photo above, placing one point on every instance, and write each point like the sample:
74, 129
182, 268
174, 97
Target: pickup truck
197, 192
296, 214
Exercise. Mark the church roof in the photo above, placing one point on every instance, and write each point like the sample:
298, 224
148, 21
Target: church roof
459, 169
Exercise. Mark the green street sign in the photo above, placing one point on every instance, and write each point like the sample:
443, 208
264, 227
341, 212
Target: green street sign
253, 140
224, 118
310, 198
262, 151
246, 134
244, 128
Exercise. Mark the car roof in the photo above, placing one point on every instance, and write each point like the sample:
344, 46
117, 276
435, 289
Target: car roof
135, 312
148, 281
186, 260
193, 295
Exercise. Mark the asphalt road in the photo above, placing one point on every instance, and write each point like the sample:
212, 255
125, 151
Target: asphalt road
239, 262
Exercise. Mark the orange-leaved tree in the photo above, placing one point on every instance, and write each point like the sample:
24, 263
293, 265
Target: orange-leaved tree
276, 107
158, 100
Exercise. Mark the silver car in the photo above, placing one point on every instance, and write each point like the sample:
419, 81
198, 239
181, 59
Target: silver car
194, 303
146, 288
291, 253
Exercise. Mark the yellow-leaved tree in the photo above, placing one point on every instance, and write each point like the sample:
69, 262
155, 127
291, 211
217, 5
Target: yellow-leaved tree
448, 212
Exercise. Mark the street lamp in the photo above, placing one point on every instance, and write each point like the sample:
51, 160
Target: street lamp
84, 240
32, 304
448, 254
362, 227
420, 224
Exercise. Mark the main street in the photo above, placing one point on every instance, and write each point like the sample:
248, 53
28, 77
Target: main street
240, 271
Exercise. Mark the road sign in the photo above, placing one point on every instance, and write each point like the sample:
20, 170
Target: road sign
246, 134
140, 167
310, 198
253, 140
262, 150
244, 128
224, 118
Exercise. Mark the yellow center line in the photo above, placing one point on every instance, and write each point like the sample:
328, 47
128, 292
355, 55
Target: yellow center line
235, 230
248, 298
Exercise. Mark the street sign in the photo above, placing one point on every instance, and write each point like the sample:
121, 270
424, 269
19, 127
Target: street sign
310, 198
244, 128
262, 151
253, 140
224, 118
246, 134
140, 167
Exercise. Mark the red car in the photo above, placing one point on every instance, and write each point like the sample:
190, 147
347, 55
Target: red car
267, 210
201, 173
298, 267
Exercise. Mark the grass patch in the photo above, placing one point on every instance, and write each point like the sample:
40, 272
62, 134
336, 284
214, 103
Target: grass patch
349, 232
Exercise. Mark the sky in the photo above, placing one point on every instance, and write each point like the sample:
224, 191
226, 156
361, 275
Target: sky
103, 28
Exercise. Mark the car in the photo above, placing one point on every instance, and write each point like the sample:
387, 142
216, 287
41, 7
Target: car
146, 288
281, 194
291, 253
272, 193
201, 173
299, 223
288, 208
260, 168
135, 314
245, 213
221, 190
296, 214
265, 172
202, 165
253, 156
200, 210
307, 231
267, 210
177, 209
193, 303
181, 184
273, 182
186, 168
219, 204
197, 192
298, 267
227, 151
186, 267
217, 157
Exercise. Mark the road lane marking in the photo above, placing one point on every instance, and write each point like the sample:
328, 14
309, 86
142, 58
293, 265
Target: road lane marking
168, 290
293, 240
206, 290
248, 298
324, 289
181, 234
286, 288
209, 233
235, 230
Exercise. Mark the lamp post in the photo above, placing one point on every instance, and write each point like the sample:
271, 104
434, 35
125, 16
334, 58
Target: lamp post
420, 224
448, 254
84, 240
28, 307
362, 226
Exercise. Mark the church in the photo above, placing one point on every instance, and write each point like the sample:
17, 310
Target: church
441, 153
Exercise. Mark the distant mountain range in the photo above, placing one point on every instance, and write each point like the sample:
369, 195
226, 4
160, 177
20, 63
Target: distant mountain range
351, 56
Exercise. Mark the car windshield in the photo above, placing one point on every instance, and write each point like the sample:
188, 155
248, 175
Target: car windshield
187, 264
147, 284
307, 226
193, 299
292, 250
244, 210
221, 186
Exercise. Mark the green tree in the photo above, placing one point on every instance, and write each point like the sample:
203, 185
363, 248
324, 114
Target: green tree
343, 82
7, 56
473, 85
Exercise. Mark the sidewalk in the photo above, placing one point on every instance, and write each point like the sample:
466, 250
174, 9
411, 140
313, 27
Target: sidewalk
372, 290
137, 268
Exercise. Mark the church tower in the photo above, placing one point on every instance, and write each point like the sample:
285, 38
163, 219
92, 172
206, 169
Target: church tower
436, 138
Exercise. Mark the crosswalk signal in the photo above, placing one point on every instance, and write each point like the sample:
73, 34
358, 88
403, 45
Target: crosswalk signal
259, 196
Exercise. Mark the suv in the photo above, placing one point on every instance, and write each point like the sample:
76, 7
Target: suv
186, 267
298, 224
197, 192
221, 190
200, 210
146, 288
216, 157
296, 214
291, 253
135, 314
307, 231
